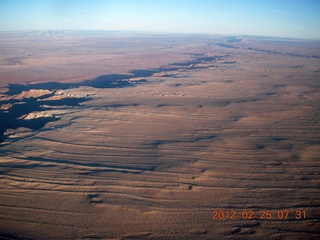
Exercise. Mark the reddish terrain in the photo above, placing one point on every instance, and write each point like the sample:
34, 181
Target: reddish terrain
119, 136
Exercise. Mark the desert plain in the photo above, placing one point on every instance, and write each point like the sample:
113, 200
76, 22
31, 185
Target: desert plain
113, 135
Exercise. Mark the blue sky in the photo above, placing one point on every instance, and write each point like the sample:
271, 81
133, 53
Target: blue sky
283, 18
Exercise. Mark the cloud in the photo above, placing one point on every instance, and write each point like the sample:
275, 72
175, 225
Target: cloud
283, 12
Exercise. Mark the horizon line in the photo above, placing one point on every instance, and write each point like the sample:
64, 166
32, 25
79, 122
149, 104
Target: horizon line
160, 33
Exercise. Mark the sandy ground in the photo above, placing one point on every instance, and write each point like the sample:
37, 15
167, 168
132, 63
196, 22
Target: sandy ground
220, 149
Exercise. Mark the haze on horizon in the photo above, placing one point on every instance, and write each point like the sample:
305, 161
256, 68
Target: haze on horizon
279, 18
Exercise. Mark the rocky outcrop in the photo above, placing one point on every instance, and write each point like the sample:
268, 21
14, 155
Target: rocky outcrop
5, 107
42, 114
32, 93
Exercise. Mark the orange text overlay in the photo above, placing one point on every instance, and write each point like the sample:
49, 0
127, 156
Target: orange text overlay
259, 214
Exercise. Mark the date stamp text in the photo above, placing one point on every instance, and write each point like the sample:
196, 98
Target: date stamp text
285, 214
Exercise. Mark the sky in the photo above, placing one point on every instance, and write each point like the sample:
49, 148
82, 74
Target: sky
280, 18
